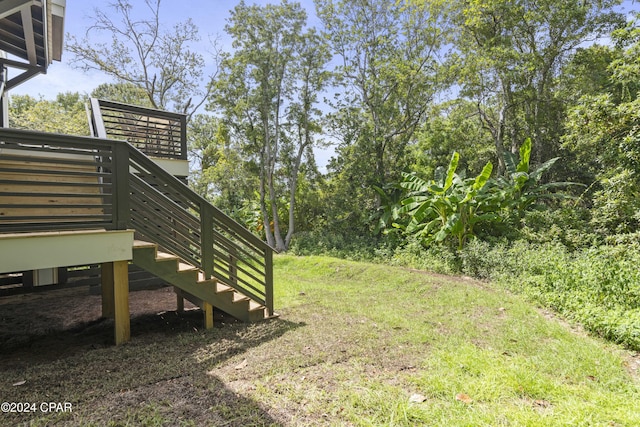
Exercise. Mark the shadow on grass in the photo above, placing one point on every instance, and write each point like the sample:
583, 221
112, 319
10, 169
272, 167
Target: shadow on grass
50, 339
55, 342
162, 377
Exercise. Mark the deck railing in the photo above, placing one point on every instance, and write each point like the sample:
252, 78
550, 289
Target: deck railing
156, 133
52, 182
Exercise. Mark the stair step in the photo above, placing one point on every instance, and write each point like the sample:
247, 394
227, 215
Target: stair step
209, 282
143, 244
238, 297
197, 287
220, 288
204, 281
186, 267
163, 256
254, 306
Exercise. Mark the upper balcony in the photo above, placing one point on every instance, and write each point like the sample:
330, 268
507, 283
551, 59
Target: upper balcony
161, 135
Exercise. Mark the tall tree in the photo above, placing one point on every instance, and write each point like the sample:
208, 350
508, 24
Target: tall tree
266, 91
303, 115
511, 52
219, 172
142, 52
603, 130
389, 72
453, 126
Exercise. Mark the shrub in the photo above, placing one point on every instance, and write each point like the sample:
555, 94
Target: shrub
567, 224
598, 287
438, 259
334, 244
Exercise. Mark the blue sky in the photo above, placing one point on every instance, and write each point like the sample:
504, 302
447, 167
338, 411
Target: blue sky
208, 15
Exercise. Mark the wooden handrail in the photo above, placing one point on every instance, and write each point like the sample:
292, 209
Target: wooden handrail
208, 247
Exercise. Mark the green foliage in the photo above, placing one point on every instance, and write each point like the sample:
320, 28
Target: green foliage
598, 287
412, 253
509, 54
454, 206
389, 211
387, 76
567, 224
603, 133
520, 189
219, 172
334, 244
448, 205
616, 206
65, 115
587, 71
453, 126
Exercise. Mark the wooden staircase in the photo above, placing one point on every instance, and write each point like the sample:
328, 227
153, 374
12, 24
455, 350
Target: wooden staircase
191, 284
210, 258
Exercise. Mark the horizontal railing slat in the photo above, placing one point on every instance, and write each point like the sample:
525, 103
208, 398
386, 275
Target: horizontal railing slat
158, 201
90, 161
225, 266
53, 206
155, 132
162, 223
51, 182
49, 195
54, 172
230, 245
57, 183
246, 292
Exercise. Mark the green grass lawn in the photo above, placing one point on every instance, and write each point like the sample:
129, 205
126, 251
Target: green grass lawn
356, 345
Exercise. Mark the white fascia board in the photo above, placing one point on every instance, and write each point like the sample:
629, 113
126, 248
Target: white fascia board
32, 251
174, 166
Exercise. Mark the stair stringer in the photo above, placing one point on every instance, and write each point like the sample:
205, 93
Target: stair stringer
181, 276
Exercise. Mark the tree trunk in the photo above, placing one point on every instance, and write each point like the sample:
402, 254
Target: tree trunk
263, 204
280, 246
292, 192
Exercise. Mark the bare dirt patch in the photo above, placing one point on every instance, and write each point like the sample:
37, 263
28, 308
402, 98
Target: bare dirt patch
56, 346
56, 318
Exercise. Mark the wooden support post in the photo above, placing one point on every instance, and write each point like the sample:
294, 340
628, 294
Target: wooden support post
115, 298
179, 300
106, 279
121, 298
208, 315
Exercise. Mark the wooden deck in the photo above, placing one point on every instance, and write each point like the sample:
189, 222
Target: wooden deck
72, 201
